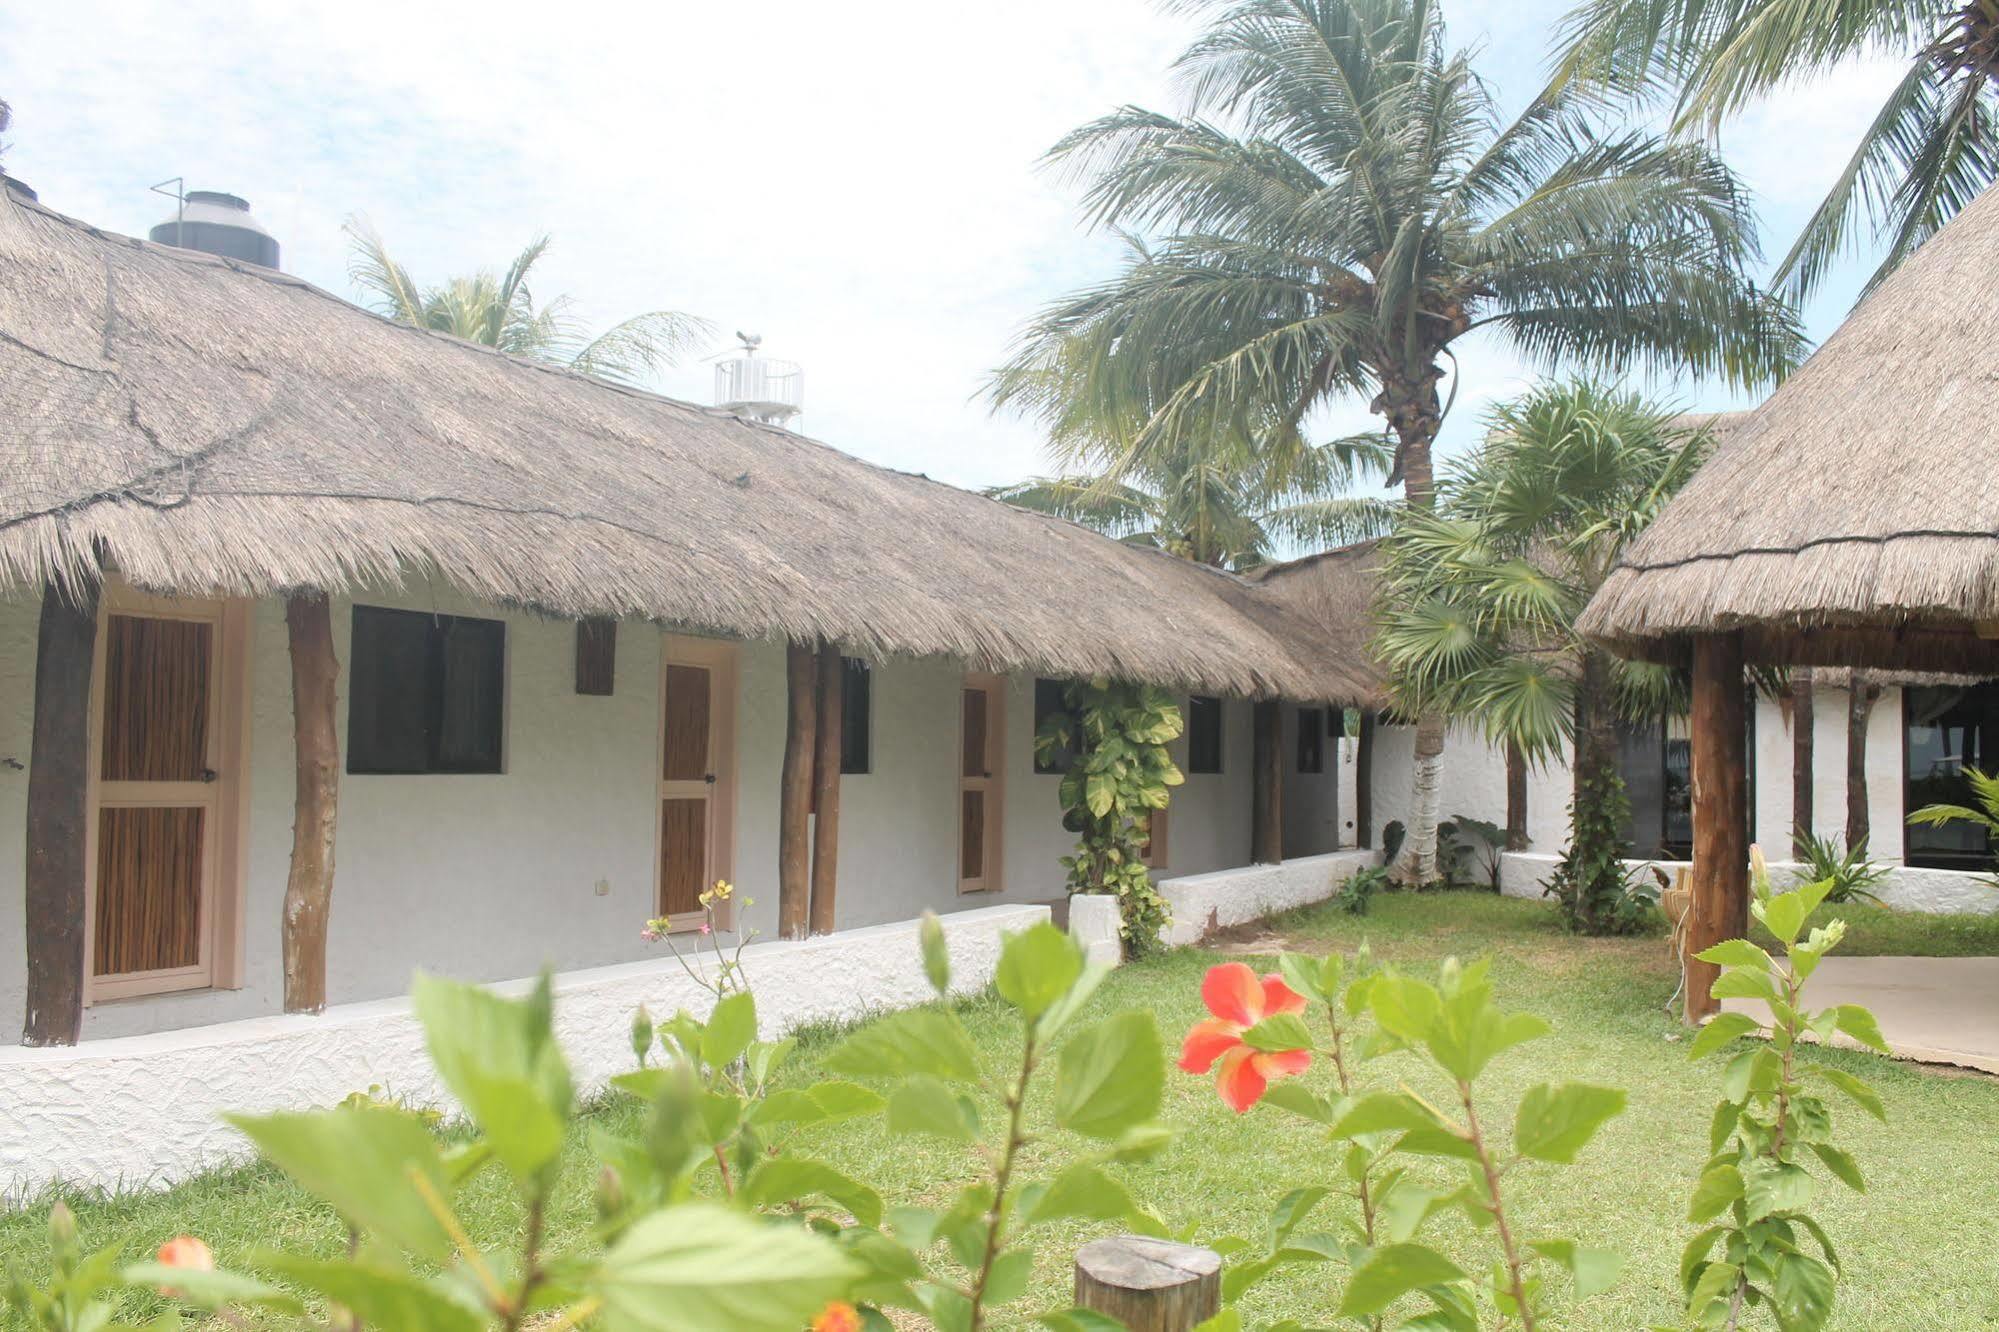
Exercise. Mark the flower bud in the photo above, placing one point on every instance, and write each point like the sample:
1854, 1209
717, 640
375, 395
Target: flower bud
642, 1032
936, 957
610, 1194
62, 1229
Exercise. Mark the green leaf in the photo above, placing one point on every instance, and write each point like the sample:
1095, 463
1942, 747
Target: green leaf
1037, 966
1280, 1031
1784, 915
1594, 1270
1083, 1190
785, 1179
211, 1289
1857, 1091
1111, 1076
1775, 1186
1741, 983
917, 1040
1719, 1188
379, 1295
936, 953
1859, 1023
1841, 1165
499, 1058
922, 1104
729, 1030
1294, 1096
1804, 1291
1737, 953
359, 1160
1071, 1003
1392, 1271
1302, 974
1010, 1274
1436, 1142
1079, 1320
1719, 1030
1696, 1252
1556, 1123
1384, 1112
706, 1265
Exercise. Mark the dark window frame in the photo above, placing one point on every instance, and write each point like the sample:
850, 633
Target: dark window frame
857, 717
1205, 709
1311, 742
1916, 857
371, 629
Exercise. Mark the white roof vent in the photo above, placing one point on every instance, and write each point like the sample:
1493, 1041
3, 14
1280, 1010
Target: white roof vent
759, 387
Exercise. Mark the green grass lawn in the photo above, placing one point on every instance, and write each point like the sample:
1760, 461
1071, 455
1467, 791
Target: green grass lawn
1917, 1247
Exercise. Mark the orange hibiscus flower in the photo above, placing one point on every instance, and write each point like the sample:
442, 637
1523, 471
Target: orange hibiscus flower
1239, 1001
839, 1316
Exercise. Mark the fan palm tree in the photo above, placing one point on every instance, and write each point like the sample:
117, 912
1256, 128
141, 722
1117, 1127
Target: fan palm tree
1339, 208
1479, 599
499, 310
1931, 148
1221, 505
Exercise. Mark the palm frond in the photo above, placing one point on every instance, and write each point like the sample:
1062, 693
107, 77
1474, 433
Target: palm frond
635, 350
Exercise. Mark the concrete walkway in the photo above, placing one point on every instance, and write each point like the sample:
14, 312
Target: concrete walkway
1936, 1010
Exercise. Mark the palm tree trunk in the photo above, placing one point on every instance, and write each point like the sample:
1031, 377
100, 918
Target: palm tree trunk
1415, 414
1516, 797
1591, 820
1802, 724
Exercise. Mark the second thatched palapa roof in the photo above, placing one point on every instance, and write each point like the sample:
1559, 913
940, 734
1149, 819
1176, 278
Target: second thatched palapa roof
1853, 519
215, 428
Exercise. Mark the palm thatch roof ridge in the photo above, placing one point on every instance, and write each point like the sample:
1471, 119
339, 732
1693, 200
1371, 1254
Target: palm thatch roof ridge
1853, 519
1335, 590
207, 426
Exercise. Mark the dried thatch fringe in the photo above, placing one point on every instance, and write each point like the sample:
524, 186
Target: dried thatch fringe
1857, 511
210, 427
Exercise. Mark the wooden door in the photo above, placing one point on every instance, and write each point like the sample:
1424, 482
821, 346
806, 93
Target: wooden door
981, 782
697, 772
166, 774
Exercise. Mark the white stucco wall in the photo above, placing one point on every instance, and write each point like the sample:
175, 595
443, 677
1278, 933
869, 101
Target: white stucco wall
1203, 903
1524, 874
144, 1111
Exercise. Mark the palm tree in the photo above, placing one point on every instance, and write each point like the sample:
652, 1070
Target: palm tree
1931, 148
1221, 505
1339, 208
1479, 599
499, 310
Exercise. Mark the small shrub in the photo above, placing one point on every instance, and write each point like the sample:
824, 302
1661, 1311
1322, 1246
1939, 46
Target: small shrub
1470, 846
1357, 893
1393, 834
1852, 875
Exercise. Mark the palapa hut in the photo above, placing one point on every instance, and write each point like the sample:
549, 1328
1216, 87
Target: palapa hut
1852, 521
539, 657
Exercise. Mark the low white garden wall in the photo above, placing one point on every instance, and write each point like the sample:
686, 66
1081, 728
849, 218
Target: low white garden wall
1204, 903
1522, 873
144, 1111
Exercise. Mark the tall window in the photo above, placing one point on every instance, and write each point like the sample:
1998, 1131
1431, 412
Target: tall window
1946, 731
1204, 734
1656, 761
426, 692
1050, 700
857, 705
1311, 740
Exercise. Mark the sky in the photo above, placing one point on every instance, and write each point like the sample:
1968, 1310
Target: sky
858, 183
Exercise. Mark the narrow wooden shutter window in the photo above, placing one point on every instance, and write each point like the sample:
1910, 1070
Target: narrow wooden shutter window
596, 656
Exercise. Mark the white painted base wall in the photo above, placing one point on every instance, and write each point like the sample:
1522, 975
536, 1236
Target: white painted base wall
1522, 874
144, 1111
1204, 903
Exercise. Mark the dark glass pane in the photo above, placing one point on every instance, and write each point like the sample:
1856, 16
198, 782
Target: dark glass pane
972, 835
1948, 731
1311, 740
1050, 700
1644, 757
1204, 734
856, 716
388, 702
973, 746
471, 665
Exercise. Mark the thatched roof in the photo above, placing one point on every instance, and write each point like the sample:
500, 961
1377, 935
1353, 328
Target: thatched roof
1854, 518
1334, 589
217, 428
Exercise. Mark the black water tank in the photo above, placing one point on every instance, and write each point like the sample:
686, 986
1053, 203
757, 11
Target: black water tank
219, 224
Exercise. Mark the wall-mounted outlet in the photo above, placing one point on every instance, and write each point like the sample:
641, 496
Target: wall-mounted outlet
603, 887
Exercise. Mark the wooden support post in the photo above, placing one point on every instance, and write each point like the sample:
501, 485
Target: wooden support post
826, 788
316, 746
1516, 797
59, 815
1363, 784
1149, 1285
1860, 700
1720, 908
1802, 725
794, 813
1266, 837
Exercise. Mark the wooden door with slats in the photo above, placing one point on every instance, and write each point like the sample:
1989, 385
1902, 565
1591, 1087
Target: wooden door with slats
697, 772
981, 782
163, 819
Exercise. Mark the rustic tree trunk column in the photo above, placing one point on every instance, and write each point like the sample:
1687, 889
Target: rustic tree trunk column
1266, 837
1516, 798
1720, 906
1802, 726
309, 889
1149, 1285
826, 788
794, 813
1860, 700
58, 815
1363, 784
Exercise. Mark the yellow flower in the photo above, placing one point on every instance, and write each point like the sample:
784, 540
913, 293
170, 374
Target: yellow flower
722, 889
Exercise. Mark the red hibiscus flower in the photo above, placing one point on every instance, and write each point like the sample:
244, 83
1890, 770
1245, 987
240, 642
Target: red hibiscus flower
1239, 1001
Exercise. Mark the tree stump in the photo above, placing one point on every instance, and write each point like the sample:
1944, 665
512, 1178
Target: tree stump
1150, 1285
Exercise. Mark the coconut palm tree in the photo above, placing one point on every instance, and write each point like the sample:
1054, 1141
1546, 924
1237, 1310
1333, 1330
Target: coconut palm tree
1479, 599
499, 310
1340, 206
1931, 148
1222, 505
